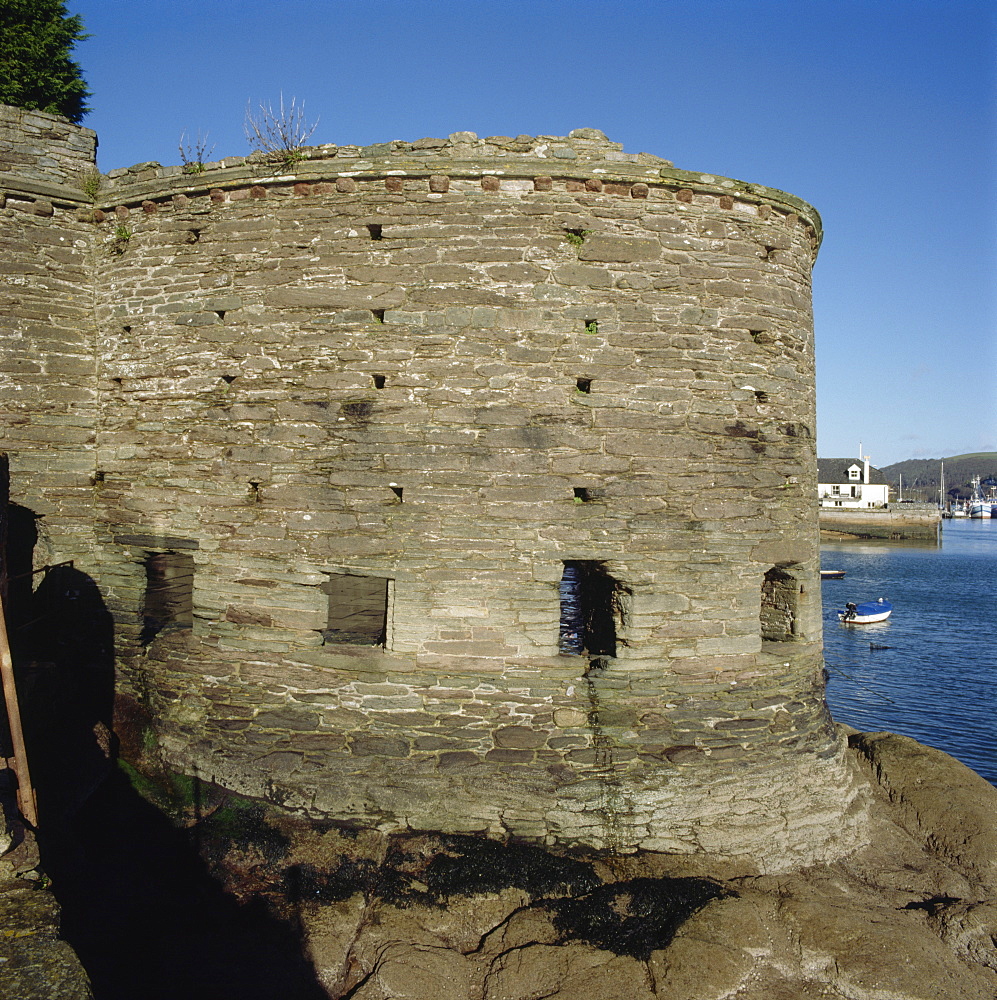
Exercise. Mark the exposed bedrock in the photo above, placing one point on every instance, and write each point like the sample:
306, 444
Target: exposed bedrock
355, 912
909, 916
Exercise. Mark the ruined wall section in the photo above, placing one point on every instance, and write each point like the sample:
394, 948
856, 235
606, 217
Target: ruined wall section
44, 151
47, 365
454, 365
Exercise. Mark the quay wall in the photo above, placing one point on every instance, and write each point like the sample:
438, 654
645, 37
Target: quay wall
897, 522
413, 384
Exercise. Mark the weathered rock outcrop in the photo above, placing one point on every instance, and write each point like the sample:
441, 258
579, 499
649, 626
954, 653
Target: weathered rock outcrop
910, 916
35, 962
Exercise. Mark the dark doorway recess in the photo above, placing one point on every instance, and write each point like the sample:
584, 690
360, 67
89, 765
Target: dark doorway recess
593, 603
169, 593
358, 609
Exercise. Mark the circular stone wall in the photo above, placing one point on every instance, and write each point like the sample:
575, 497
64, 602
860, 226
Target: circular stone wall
388, 412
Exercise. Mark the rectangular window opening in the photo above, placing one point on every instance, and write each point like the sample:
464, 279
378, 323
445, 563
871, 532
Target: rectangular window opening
593, 604
379, 381
358, 610
780, 596
582, 494
376, 232
169, 594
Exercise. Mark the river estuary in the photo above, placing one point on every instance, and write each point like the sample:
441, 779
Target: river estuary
934, 681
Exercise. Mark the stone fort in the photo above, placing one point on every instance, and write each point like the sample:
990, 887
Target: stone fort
459, 484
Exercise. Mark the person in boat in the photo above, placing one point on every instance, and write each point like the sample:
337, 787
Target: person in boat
850, 608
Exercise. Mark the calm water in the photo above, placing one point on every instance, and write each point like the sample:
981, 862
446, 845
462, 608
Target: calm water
936, 680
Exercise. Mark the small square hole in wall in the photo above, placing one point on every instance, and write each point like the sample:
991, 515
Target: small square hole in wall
582, 494
169, 593
761, 396
397, 490
583, 385
229, 379
358, 610
379, 381
591, 326
378, 315
375, 231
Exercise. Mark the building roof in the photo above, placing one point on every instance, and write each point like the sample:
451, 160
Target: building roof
835, 470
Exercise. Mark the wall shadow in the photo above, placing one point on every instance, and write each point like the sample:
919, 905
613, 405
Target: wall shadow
63, 649
139, 905
146, 918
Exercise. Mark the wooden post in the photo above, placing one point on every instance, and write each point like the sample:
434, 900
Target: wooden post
25, 793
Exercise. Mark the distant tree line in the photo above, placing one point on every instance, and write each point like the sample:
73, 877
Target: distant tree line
922, 476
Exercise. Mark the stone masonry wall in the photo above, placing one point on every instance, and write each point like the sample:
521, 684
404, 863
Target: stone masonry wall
47, 369
453, 366
42, 150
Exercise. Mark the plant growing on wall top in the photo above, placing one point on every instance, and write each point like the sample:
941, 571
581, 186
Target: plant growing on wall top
36, 71
194, 153
90, 180
279, 133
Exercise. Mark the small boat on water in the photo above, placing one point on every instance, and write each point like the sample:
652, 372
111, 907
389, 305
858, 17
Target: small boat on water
866, 612
832, 574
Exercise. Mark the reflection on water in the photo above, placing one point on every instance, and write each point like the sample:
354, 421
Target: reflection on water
928, 671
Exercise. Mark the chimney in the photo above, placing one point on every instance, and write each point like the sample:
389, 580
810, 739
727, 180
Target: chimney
866, 473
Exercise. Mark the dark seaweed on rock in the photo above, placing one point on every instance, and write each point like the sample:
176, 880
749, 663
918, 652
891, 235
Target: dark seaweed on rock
633, 918
306, 883
471, 866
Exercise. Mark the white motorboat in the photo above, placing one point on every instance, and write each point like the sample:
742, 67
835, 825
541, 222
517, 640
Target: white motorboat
866, 612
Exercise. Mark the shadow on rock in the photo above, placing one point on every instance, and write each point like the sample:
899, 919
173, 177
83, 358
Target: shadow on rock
146, 918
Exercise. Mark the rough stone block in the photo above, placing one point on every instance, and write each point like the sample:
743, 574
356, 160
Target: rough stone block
618, 249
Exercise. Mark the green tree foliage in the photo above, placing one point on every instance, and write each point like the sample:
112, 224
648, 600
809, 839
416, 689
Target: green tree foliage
36, 71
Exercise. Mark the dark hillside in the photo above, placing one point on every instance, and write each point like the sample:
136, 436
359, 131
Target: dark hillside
921, 475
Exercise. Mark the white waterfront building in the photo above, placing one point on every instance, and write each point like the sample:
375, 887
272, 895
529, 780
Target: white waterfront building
850, 482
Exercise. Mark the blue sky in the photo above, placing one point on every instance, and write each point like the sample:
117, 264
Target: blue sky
880, 113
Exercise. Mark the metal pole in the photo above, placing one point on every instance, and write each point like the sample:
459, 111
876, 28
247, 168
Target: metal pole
25, 793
